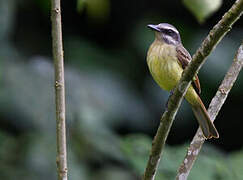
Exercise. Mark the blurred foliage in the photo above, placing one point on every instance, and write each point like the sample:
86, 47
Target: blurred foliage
211, 164
113, 105
45, 5
202, 9
7, 12
97, 10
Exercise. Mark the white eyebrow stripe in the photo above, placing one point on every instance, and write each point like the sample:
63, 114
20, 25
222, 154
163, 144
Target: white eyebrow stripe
170, 28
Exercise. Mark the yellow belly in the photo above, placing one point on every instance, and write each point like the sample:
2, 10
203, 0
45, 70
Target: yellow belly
166, 70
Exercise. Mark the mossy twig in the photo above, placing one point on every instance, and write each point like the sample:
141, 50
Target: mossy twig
214, 107
213, 38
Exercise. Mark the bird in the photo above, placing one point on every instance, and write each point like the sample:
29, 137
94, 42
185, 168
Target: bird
167, 58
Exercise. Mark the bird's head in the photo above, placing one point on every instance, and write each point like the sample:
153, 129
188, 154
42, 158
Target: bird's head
166, 33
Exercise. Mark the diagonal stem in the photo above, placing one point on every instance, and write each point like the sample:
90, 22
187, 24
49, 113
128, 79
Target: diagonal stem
213, 38
214, 107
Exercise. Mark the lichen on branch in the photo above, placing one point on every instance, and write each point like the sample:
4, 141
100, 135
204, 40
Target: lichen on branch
174, 102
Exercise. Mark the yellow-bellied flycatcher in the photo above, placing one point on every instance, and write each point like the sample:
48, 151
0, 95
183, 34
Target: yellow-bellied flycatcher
167, 58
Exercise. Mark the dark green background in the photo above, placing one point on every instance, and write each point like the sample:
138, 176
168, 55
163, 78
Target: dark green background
113, 104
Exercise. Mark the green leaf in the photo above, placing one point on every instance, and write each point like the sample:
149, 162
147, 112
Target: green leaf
202, 8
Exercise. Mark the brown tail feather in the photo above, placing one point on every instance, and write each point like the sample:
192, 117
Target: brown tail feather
204, 121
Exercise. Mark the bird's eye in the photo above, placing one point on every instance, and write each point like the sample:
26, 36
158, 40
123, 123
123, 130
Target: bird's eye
170, 31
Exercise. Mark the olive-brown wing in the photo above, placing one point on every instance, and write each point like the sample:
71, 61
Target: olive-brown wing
184, 59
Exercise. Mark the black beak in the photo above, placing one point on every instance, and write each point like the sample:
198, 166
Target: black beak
153, 27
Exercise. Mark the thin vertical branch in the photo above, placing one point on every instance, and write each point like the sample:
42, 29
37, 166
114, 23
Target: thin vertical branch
59, 89
174, 102
214, 107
